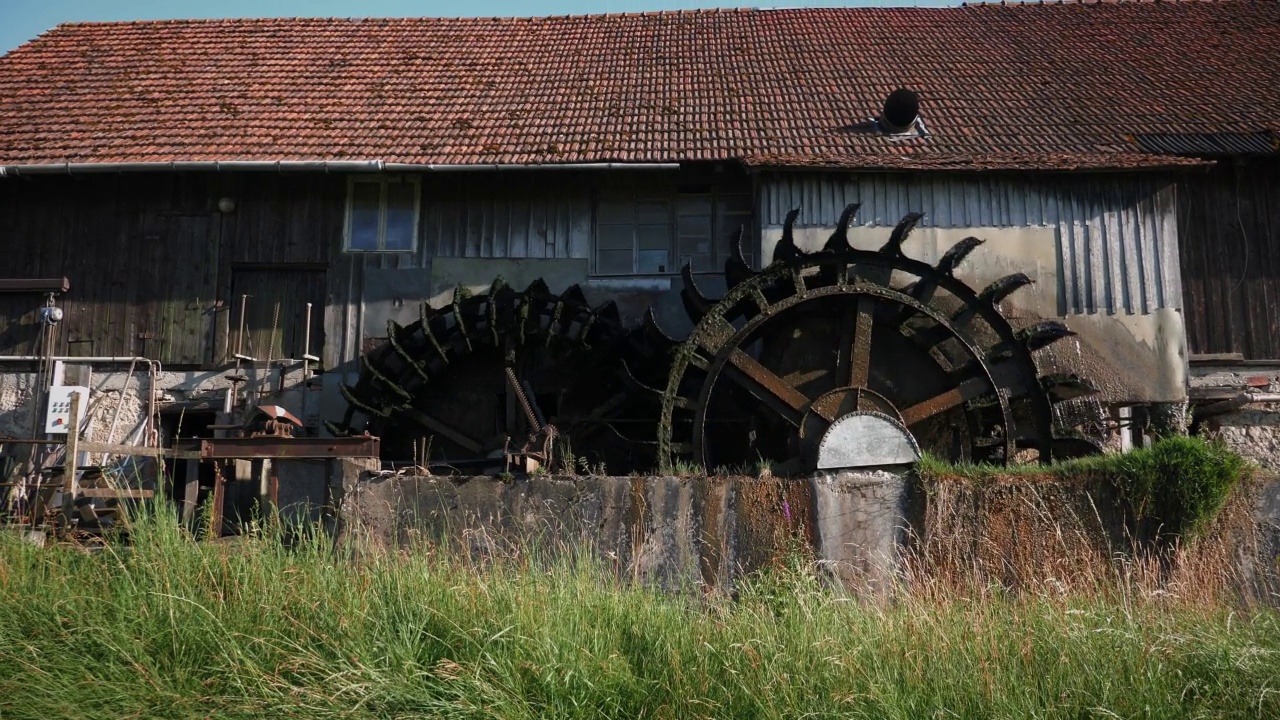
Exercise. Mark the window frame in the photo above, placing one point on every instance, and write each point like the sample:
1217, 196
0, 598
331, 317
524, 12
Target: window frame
717, 198
383, 182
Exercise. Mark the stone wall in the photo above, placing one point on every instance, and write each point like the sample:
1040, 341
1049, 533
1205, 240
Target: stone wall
1251, 429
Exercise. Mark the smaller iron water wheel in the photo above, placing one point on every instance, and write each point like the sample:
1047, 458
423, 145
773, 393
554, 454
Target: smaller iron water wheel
483, 377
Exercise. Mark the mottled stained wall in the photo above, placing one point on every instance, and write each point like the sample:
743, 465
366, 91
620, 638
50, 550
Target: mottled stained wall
686, 532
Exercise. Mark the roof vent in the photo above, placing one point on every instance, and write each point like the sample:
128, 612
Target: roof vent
901, 109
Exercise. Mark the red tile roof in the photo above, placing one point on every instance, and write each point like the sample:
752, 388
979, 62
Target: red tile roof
1027, 86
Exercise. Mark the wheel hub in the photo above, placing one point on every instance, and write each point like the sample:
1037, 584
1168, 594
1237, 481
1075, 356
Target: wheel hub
830, 407
864, 439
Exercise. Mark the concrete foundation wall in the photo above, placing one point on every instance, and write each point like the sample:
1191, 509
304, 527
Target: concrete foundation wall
671, 531
864, 529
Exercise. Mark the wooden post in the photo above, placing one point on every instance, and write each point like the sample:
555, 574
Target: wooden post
190, 491
215, 510
71, 483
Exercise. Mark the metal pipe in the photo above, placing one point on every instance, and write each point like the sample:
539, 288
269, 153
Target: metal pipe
1235, 403
68, 168
76, 358
306, 340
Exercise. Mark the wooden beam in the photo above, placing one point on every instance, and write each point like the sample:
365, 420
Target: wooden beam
35, 285
138, 451
70, 483
190, 492
104, 492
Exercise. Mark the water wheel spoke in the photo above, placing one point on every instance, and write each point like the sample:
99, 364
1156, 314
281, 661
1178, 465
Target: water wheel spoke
860, 352
440, 428
940, 403
597, 414
767, 387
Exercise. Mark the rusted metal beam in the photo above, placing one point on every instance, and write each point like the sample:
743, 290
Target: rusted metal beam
965, 391
137, 451
254, 448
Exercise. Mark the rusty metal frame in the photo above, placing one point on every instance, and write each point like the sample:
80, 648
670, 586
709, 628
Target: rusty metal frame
258, 448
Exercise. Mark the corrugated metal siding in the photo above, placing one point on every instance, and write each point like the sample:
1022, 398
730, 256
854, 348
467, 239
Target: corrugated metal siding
1229, 230
516, 222
1116, 234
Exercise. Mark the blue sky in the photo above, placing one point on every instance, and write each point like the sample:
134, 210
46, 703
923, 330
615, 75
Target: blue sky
21, 20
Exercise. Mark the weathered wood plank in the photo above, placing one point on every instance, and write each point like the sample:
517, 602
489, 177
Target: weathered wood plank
132, 450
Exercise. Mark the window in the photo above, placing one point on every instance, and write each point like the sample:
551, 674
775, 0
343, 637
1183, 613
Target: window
382, 214
633, 234
653, 232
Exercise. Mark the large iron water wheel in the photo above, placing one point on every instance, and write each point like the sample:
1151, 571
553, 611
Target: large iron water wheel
817, 338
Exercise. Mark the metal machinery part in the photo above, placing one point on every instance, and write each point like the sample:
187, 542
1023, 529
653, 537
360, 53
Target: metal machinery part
271, 421
772, 370
499, 381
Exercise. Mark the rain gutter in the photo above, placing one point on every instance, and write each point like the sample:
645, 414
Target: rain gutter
369, 166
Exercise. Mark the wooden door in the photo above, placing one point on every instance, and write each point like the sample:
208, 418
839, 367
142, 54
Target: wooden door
275, 312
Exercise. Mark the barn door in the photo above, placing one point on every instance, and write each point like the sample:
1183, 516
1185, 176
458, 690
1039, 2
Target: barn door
275, 312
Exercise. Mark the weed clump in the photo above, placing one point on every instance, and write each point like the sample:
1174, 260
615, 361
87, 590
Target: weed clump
1172, 490
1178, 485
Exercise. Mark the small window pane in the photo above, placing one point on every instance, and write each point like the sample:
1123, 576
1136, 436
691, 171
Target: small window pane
401, 208
613, 262
615, 237
695, 246
655, 212
653, 261
365, 198
695, 205
653, 237
695, 226
616, 211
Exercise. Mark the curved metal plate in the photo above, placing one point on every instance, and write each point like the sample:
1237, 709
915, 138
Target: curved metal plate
866, 439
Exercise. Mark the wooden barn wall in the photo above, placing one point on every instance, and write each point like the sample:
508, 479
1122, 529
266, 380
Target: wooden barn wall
513, 214
1229, 229
516, 214
1116, 234
151, 260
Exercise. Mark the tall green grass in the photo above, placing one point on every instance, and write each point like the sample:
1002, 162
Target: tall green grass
167, 628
